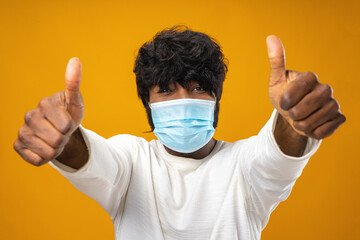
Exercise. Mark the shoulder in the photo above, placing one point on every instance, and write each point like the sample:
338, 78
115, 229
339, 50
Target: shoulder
229, 151
128, 140
234, 146
125, 138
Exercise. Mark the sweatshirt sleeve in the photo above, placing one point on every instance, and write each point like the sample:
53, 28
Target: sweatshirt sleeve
270, 173
106, 175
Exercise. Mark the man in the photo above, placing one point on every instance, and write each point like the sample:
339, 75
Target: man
186, 185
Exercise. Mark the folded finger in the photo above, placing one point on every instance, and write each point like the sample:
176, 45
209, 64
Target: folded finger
326, 113
27, 154
44, 130
297, 89
328, 128
54, 110
311, 102
35, 144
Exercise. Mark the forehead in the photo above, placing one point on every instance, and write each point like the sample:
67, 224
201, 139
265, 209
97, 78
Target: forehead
175, 84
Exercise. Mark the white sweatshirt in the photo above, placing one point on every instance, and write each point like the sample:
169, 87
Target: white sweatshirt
151, 194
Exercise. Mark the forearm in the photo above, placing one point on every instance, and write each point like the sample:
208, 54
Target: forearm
290, 142
75, 153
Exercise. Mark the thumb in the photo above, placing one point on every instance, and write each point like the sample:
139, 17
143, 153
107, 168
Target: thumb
276, 55
72, 82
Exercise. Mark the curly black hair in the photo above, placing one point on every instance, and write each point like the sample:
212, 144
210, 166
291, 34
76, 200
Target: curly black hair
181, 55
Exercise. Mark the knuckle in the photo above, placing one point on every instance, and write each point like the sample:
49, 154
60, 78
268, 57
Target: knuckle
342, 119
331, 110
17, 146
285, 101
334, 105
32, 116
327, 90
29, 116
312, 77
294, 113
303, 126
311, 80
43, 103
22, 135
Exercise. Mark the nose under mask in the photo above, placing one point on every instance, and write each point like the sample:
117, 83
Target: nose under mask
183, 125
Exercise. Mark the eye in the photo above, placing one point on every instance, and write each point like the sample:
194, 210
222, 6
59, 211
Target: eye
198, 89
165, 90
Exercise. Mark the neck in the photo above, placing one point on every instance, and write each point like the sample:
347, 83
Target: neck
199, 154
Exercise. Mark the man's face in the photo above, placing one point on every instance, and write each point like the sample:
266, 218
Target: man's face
176, 91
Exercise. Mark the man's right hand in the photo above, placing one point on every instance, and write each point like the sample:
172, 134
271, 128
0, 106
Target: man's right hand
49, 127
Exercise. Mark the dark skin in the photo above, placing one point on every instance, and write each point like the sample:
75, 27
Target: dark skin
306, 109
176, 91
50, 130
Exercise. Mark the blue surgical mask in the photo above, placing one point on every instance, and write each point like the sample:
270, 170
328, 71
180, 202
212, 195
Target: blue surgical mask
183, 125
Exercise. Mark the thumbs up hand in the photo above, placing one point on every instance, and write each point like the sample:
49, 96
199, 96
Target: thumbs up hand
307, 105
48, 128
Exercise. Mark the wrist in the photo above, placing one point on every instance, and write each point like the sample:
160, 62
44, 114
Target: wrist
75, 153
289, 141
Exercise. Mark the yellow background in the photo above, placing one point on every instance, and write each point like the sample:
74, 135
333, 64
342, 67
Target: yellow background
38, 37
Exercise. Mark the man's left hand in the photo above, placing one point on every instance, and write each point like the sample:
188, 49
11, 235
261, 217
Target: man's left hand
307, 105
